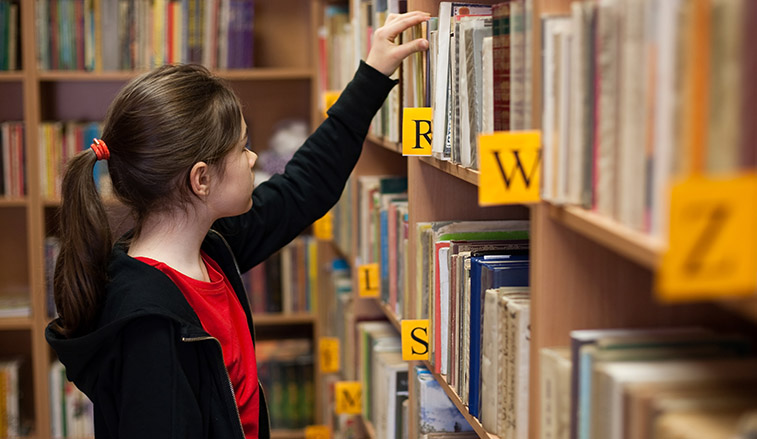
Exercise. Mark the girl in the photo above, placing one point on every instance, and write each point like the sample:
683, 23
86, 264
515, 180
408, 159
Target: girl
156, 329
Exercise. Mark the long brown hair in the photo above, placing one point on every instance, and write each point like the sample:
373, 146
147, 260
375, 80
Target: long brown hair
158, 126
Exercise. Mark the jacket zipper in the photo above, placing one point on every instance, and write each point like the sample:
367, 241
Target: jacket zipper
239, 273
252, 327
226, 373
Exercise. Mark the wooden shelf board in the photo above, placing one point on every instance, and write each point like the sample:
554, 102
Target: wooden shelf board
393, 318
7, 323
463, 173
288, 434
262, 73
370, 430
637, 246
278, 319
11, 76
455, 398
13, 202
391, 146
746, 307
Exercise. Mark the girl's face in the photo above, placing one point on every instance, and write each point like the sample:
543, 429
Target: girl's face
233, 195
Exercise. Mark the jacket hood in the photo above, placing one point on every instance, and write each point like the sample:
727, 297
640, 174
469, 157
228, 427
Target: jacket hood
135, 290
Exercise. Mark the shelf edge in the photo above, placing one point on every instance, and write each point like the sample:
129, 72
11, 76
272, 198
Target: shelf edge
636, 246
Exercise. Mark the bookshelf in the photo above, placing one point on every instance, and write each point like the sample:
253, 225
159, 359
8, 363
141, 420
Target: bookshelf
281, 85
587, 269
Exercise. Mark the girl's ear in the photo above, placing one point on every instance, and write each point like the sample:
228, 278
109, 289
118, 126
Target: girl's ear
199, 179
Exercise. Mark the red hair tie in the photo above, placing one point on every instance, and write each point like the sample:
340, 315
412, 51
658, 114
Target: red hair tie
100, 149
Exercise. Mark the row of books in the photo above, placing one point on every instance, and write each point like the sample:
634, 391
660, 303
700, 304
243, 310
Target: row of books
72, 413
12, 160
59, 142
10, 55
10, 397
639, 92
658, 383
475, 76
286, 371
286, 282
141, 34
634, 93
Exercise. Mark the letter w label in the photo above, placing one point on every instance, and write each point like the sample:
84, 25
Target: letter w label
510, 168
713, 239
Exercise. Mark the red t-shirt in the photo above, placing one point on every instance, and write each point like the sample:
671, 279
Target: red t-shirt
222, 317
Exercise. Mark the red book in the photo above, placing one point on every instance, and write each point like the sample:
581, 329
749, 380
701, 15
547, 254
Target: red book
501, 65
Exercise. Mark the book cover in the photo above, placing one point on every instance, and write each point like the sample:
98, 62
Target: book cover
436, 412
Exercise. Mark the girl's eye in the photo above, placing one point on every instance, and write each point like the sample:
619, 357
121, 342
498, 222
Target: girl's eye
247, 146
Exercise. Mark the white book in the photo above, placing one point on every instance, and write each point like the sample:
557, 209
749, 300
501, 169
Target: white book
518, 346
487, 102
664, 123
552, 27
632, 142
607, 56
563, 113
441, 81
554, 388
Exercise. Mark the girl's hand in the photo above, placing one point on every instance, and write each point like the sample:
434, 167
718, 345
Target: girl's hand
385, 55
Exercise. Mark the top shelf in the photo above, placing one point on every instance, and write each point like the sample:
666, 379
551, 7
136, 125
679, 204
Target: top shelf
257, 74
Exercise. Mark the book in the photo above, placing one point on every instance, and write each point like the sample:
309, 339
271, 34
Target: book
442, 108
554, 387
434, 410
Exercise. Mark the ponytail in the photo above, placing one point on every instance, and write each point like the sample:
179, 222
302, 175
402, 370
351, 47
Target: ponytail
85, 246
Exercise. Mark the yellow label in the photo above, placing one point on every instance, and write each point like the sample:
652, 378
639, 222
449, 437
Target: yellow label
368, 280
329, 352
510, 165
329, 97
414, 340
416, 131
317, 432
348, 397
713, 239
323, 228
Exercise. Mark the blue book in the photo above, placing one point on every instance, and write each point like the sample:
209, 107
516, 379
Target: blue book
489, 271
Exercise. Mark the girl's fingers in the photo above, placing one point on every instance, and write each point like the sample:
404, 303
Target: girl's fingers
406, 49
396, 23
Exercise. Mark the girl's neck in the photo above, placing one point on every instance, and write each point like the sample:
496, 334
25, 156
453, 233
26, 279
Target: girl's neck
174, 243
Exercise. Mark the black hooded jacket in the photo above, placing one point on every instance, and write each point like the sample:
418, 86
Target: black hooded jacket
149, 367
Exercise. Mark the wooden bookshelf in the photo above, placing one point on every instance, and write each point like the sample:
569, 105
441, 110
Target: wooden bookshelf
282, 85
